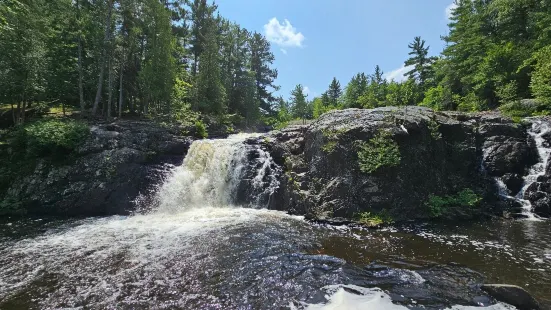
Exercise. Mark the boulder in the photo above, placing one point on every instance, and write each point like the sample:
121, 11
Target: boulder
513, 295
118, 164
440, 155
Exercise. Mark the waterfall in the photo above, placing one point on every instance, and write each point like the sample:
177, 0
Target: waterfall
220, 173
536, 132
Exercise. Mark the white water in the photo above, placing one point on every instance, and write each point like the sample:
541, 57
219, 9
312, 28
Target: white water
156, 260
211, 173
340, 298
537, 131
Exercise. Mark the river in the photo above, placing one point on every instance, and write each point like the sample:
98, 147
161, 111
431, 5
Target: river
195, 250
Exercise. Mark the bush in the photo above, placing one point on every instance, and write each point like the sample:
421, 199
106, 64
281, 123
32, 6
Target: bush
381, 151
50, 137
461, 203
374, 219
332, 137
541, 77
201, 129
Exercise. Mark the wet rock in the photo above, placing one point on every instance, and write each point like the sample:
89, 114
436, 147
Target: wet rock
441, 154
507, 149
118, 163
513, 182
513, 295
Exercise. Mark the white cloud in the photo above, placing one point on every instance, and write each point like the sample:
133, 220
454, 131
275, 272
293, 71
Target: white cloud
306, 90
398, 74
284, 51
283, 34
449, 9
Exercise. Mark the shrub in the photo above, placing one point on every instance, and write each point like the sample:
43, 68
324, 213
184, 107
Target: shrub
201, 129
381, 151
374, 219
434, 129
50, 137
461, 203
332, 137
541, 77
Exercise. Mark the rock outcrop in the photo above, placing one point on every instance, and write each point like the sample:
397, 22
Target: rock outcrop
118, 163
442, 157
513, 295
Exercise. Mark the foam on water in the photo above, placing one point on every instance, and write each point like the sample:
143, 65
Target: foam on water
353, 297
100, 257
536, 132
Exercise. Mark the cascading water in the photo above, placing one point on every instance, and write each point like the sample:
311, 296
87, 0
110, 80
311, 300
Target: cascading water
537, 132
199, 250
213, 173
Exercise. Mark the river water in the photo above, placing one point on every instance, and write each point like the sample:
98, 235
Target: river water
195, 250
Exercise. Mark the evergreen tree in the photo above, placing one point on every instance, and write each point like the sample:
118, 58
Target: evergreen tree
261, 61
334, 92
420, 61
211, 95
298, 100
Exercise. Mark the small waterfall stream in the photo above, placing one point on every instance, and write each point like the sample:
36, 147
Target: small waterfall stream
537, 132
198, 249
219, 173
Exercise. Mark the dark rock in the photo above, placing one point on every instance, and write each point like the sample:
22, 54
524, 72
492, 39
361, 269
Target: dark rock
513, 295
440, 154
513, 182
117, 163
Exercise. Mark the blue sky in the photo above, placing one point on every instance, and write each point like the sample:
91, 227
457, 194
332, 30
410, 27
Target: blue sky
316, 40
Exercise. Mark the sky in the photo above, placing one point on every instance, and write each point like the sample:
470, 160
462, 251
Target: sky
316, 40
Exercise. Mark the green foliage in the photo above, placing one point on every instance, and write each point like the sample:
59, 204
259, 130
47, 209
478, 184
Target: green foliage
331, 136
438, 98
447, 206
374, 219
50, 137
201, 129
541, 78
434, 129
470, 103
380, 151
298, 100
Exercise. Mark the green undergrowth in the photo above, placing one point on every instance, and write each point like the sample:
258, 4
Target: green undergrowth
434, 129
380, 151
370, 219
463, 203
331, 139
22, 147
517, 111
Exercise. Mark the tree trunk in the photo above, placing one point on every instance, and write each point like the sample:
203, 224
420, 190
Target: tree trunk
80, 74
120, 89
110, 97
103, 56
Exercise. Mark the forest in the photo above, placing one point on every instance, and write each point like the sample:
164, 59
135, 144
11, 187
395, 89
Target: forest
497, 52
181, 61
166, 60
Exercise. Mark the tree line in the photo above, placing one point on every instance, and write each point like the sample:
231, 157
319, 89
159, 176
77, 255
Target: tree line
165, 59
497, 52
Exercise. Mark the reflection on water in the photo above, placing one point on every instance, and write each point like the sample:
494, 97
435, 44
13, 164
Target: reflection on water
218, 258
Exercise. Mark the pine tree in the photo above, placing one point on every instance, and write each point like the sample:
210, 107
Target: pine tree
334, 92
211, 95
298, 100
420, 61
261, 61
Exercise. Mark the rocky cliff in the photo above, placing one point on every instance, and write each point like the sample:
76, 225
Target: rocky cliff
406, 163
117, 163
